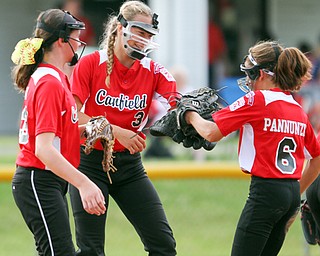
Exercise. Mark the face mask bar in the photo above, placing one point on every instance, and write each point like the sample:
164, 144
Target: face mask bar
245, 84
73, 23
252, 73
63, 31
76, 57
148, 45
135, 53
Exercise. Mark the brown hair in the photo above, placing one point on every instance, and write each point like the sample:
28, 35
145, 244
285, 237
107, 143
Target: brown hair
21, 73
290, 66
129, 10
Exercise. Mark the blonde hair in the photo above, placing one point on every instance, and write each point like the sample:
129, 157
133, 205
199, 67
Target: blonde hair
290, 66
129, 10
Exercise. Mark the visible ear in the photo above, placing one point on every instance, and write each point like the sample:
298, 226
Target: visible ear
261, 74
60, 41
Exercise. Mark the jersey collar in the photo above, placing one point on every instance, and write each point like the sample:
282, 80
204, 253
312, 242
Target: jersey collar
123, 68
61, 74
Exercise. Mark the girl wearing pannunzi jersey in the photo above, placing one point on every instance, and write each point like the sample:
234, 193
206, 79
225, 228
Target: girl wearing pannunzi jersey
49, 134
275, 139
119, 82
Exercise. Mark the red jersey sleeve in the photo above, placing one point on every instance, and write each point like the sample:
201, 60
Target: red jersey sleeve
166, 84
231, 118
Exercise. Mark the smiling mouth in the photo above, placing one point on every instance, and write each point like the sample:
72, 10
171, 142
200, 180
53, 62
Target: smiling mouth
137, 48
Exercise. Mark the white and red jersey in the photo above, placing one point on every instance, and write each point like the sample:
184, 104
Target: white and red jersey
126, 103
275, 133
48, 107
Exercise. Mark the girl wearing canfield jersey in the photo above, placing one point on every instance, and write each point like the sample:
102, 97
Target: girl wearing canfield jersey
119, 82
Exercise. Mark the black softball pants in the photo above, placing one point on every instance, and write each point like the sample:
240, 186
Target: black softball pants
270, 209
40, 196
137, 198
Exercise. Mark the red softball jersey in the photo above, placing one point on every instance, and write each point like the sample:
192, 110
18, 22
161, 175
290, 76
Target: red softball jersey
48, 107
275, 133
126, 103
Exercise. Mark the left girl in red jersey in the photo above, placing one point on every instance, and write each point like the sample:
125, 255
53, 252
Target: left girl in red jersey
275, 139
119, 82
49, 134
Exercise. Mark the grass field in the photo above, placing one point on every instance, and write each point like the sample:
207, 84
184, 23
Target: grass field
203, 215
202, 212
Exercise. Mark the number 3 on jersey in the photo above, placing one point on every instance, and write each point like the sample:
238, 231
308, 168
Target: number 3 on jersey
285, 161
139, 116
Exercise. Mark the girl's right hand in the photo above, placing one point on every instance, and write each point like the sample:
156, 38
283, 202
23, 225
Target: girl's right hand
92, 198
129, 139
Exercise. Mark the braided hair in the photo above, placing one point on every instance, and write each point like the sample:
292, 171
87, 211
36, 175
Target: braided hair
129, 10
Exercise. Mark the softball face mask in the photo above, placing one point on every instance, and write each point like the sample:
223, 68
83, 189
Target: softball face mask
252, 73
63, 30
148, 44
245, 84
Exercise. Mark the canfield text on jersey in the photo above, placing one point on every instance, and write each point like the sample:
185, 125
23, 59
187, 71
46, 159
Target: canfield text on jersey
122, 102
